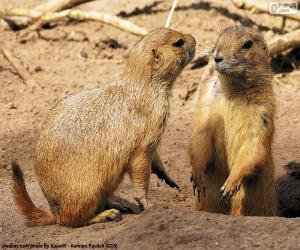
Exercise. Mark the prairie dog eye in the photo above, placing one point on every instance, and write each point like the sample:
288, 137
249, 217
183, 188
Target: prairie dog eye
179, 43
248, 44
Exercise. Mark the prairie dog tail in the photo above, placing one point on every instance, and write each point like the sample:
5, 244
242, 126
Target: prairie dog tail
24, 202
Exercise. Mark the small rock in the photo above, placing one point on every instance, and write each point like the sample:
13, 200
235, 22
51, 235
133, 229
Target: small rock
83, 54
11, 105
38, 69
113, 44
77, 36
98, 45
4, 25
108, 55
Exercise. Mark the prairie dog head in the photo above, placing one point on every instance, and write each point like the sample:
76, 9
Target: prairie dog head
240, 52
161, 55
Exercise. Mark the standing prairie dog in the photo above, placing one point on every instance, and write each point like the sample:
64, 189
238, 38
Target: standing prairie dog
230, 148
92, 138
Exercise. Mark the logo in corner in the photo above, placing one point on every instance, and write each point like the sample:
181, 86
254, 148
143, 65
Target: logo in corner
283, 8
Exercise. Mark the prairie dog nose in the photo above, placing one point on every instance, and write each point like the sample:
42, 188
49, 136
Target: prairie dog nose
191, 40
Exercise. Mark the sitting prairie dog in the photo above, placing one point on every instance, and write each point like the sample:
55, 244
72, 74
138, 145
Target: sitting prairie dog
92, 138
230, 148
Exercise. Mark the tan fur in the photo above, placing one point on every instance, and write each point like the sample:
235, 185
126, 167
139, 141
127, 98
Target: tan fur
230, 148
92, 138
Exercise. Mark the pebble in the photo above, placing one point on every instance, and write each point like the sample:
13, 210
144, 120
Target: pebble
38, 69
83, 54
11, 105
77, 36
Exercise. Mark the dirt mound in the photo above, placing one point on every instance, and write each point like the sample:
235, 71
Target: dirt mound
174, 228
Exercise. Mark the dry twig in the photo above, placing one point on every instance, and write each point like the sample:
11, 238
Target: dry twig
38, 11
171, 14
18, 66
284, 43
260, 6
58, 5
73, 14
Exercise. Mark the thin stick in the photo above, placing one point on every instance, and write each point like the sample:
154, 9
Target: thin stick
74, 14
34, 14
284, 43
38, 11
171, 14
58, 5
260, 6
22, 72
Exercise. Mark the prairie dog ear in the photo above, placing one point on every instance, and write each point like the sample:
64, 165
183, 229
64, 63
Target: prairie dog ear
157, 58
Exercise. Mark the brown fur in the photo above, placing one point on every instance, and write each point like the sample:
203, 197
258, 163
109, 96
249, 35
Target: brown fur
92, 138
230, 148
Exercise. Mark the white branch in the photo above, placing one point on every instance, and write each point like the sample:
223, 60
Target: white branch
284, 43
260, 6
73, 14
171, 14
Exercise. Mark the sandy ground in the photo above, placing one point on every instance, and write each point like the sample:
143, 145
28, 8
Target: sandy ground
79, 55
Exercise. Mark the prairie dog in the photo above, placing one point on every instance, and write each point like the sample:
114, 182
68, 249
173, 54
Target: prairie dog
230, 148
92, 138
